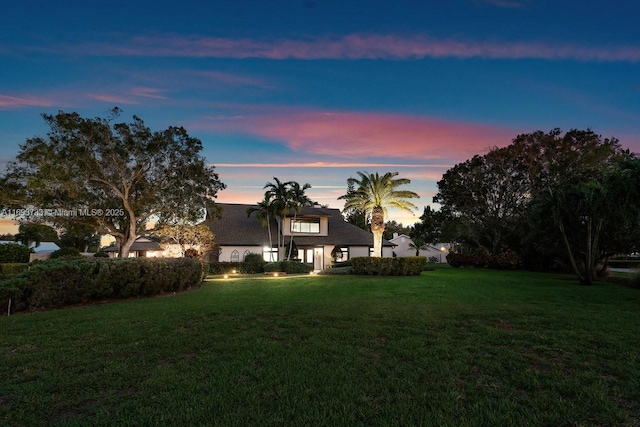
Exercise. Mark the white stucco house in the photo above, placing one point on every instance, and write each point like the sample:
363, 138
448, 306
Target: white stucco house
316, 231
402, 248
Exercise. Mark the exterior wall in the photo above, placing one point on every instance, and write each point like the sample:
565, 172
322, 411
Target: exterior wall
387, 251
402, 249
356, 251
226, 251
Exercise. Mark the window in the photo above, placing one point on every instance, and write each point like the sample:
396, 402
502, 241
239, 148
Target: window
305, 226
343, 255
244, 255
270, 254
235, 256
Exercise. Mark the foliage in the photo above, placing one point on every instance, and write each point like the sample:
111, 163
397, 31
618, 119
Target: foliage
281, 199
428, 229
373, 195
61, 282
113, 176
14, 252
393, 227
506, 260
433, 259
101, 254
65, 252
253, 263
547, 195
295, 267
35, 233
80, 236
401, 266
187, 237
12, 268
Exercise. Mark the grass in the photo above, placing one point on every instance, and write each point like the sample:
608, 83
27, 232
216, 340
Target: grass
450, 347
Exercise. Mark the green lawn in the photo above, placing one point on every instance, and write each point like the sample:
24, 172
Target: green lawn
451, 347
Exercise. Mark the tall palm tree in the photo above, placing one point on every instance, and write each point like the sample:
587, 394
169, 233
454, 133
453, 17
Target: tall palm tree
263, 211
279, 200
374, 194
297, 200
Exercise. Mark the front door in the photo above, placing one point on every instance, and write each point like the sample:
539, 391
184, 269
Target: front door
318, 259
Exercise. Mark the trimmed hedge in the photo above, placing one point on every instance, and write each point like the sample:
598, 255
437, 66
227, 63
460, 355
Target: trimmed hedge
399, 266
60, 282
13, 268
65, 252
246, 267
289, 267
14, 253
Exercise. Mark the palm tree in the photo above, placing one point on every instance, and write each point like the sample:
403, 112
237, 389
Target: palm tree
297, 200
418, 244
279, 199
263, 211
374, 194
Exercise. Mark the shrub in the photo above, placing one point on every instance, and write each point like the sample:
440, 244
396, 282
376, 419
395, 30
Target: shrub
11, 269
433, 259
405, 266
295, 267
66, 281
65, 252
253, 263
271, 267
101, 254
14, 252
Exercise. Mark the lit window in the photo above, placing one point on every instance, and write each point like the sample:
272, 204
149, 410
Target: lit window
269, 254
305, 226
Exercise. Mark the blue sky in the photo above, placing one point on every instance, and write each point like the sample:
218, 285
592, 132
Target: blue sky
314, 91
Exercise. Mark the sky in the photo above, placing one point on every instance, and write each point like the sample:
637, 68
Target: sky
314, 91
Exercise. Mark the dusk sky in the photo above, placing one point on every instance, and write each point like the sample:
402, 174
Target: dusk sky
314, 91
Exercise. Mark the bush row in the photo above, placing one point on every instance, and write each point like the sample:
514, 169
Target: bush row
59, 282
13, 268
503, 261
401, 266
252, 264
289, 267
14, 253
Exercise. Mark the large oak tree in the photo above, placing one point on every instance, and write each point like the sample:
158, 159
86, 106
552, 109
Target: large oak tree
114, 176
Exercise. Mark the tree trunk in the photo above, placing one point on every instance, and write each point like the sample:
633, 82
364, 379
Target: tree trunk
572, 259
377, 228
129, 235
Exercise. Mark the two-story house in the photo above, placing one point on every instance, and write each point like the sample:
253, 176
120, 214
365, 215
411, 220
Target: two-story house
315, 231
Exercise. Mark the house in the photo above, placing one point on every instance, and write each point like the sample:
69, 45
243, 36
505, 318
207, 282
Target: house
144, 246
315, 231
402, 248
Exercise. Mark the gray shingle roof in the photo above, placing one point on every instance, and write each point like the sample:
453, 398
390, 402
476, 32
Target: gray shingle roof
236, 229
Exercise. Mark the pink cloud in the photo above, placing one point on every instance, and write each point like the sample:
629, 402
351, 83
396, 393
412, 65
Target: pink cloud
112, 99
148, 92
360, 46
9, 102
358, 135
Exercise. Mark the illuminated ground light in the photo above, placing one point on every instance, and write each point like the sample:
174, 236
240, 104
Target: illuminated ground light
226, 276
